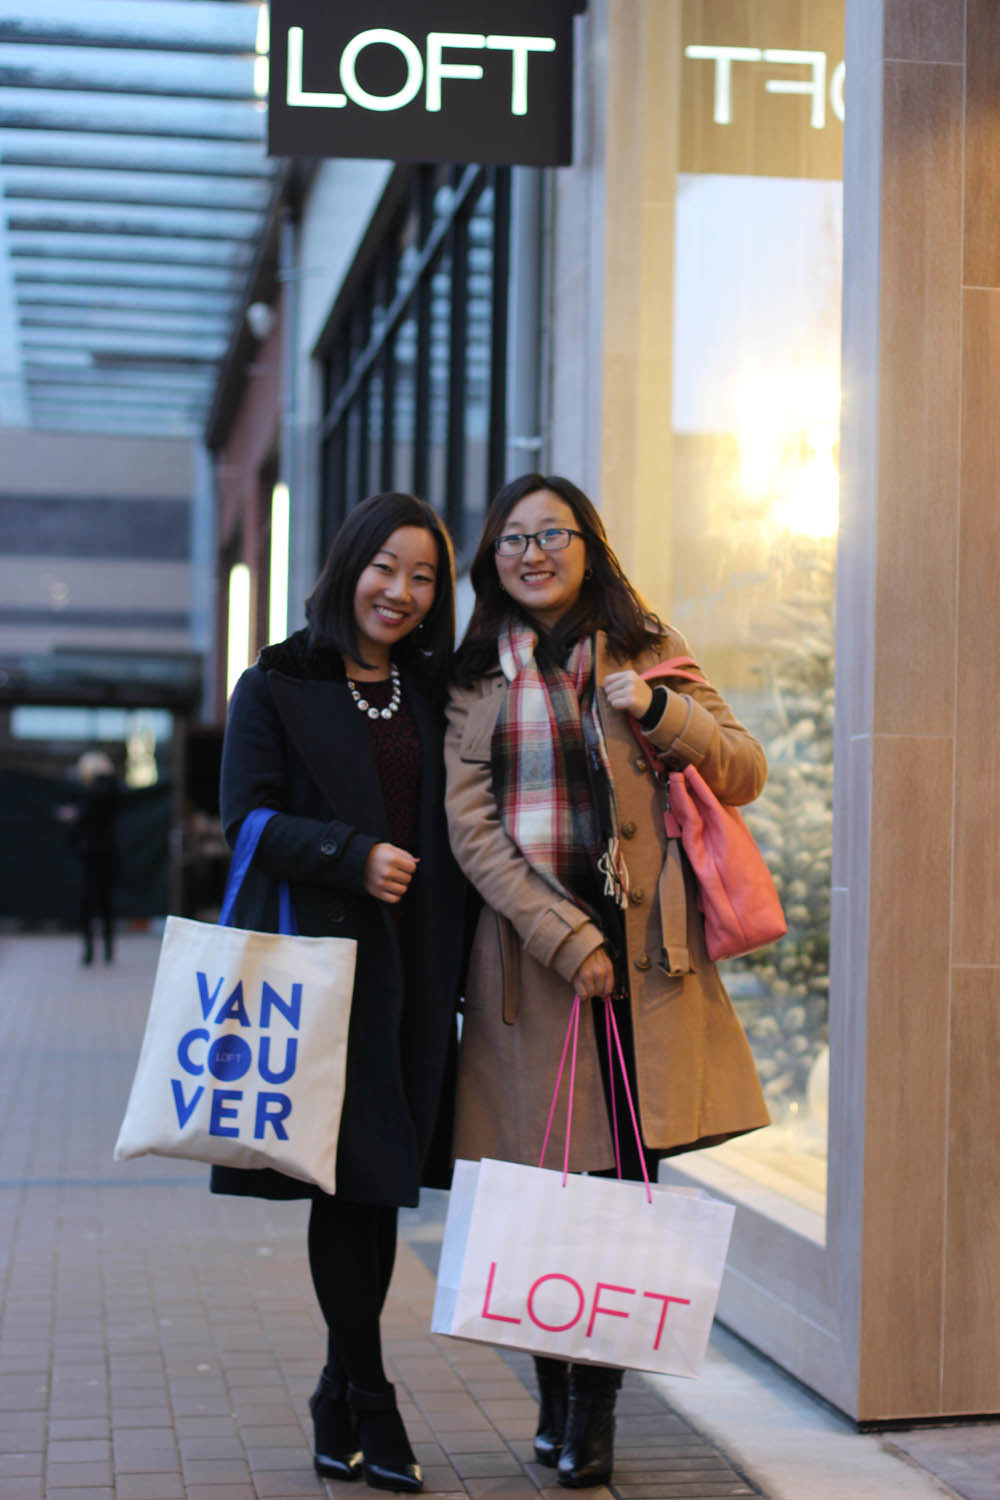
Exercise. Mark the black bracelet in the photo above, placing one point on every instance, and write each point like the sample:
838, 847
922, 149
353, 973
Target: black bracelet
654, 713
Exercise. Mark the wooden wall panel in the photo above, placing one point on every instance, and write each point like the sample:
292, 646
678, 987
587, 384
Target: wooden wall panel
977, 784
919, 399
925, 30
906, 1093
971, 1374
982, 143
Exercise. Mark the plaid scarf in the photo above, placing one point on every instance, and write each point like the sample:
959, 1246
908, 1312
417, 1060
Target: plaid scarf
539, 752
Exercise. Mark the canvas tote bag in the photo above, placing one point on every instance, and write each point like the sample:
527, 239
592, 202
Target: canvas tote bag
243, 1058
581, 1268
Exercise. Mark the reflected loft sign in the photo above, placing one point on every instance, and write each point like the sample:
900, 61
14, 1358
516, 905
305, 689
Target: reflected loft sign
422, 80
814, 87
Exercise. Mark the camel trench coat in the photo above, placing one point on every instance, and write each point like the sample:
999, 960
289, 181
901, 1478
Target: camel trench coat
696, 1079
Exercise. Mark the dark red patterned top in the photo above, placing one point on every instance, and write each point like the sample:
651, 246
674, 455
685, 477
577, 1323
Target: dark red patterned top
396, 743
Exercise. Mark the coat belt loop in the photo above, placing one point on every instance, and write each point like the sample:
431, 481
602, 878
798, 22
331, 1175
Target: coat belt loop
672, 895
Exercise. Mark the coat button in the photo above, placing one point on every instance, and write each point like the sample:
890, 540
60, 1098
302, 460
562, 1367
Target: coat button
642, 962
628, 830
328, 847
637, 896
641, 763
337, 914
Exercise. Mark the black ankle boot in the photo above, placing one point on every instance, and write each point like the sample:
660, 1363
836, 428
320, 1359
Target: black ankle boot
588, 1447
336, 1450
553, 1393
388, 1462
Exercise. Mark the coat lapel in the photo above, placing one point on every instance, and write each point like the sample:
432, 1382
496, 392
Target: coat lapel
332, 738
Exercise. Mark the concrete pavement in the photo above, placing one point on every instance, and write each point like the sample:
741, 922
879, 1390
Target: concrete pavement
157, 1343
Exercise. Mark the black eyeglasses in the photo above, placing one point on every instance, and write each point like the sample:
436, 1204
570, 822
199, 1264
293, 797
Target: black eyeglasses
552, 539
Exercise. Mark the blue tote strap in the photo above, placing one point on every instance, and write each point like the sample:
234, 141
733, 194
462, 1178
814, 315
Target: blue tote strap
246, 845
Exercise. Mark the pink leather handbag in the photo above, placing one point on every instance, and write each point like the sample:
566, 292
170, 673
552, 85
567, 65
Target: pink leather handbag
736, 895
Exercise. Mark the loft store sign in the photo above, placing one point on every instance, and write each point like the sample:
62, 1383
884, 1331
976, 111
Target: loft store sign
422, 80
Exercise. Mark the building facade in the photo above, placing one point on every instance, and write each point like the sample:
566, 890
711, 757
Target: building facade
755, 320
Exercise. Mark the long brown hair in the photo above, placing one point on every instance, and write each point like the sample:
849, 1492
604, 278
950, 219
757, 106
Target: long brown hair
607, 600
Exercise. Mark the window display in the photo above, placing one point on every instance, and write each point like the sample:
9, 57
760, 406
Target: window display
756, 373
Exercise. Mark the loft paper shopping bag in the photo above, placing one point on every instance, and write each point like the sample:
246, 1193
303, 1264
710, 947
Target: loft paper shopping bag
581, 1268
245, 1048
589, 1270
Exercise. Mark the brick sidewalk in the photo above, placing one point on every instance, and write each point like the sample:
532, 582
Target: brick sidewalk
157, 1343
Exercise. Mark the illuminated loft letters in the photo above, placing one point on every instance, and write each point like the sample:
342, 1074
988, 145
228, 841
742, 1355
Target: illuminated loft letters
436, 69
814, 86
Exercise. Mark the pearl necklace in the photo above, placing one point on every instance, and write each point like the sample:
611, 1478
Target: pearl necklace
379, 713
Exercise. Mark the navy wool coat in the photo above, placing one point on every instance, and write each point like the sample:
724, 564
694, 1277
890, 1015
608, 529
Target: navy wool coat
296, 742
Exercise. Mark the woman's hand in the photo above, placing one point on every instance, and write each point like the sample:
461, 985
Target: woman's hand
388, 872
595, 977
627, 691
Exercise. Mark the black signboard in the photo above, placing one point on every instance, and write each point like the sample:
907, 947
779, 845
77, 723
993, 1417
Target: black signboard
423, 80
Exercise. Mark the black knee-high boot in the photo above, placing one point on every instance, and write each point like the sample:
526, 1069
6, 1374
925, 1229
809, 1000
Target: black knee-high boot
553, 1394
588, 1447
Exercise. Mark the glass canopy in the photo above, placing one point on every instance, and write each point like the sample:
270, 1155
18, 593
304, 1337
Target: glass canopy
133, 193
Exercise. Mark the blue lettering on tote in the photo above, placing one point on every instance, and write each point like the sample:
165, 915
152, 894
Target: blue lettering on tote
184, 1109
272, 1109
222, 1110
207, 1000
229, 1056
264, 1060
234, 1009
184, 1051
290, 1009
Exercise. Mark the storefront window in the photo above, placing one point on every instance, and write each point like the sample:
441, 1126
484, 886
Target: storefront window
404, 402
478, 349
414, 389
439, 393
755, 428
376, 408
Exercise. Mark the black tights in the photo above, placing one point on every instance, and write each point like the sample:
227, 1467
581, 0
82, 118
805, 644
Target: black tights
352, 1249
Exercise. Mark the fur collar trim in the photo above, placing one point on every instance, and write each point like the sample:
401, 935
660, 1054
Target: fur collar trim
299, 657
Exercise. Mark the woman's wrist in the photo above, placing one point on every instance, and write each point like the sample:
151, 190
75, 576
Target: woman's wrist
654, 713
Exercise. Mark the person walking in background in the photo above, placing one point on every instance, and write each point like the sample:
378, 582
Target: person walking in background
340, 729
92, 821
555, 820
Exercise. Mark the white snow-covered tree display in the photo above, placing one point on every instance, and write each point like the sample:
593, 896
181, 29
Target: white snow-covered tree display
782, 991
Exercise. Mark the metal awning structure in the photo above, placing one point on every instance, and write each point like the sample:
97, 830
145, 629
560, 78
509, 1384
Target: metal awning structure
134, 191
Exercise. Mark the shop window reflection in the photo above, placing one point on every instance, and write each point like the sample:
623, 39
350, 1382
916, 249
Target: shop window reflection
756, 373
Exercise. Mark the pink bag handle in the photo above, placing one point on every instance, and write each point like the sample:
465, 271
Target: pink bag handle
573, 1031
612, 1024
675, 666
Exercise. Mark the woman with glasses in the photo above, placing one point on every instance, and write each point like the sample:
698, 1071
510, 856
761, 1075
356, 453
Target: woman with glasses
556, 821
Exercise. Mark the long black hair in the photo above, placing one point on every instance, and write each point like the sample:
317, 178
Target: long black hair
330, 606
607, 600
